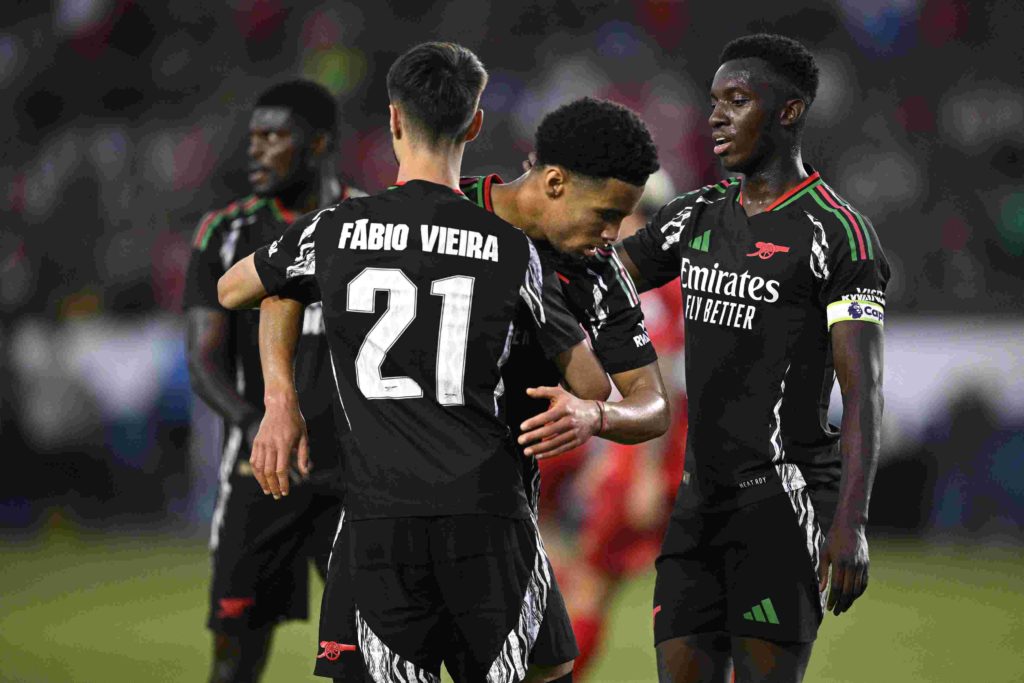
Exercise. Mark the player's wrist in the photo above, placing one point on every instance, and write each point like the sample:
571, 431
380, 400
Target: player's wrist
856, 521
601, 422
278, 397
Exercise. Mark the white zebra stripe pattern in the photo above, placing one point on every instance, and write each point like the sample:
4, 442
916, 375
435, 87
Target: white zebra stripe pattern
510, 664
383, 665
808, 521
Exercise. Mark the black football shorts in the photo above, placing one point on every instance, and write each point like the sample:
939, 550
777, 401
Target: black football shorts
749, 572
404, 595
261, 547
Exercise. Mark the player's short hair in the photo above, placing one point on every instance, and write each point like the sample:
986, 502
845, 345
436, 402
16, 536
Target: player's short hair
597, 138
788, 58
438, 86
309, 101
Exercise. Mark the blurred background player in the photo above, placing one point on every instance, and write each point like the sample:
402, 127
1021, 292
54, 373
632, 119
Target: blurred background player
784, 286
261, 551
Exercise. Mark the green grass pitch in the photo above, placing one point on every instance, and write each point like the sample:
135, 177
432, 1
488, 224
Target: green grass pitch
80, 608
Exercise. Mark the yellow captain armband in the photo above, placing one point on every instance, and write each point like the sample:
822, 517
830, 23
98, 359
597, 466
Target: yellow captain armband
855, 309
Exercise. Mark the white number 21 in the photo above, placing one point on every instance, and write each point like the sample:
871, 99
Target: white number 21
456, 293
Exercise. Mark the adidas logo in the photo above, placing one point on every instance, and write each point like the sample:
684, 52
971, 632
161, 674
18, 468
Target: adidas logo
763, 613
702, 242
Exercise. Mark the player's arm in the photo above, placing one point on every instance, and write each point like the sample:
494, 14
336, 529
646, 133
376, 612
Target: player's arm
584, 375
285, 270
652, 255
616, 325
642, 414
207, 340
241, 286
289, 263
283, 430
857, 354
638, 279
207, 336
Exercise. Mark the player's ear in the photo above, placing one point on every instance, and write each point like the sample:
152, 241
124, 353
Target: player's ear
395, 122
475, 125
792, 112
554, 181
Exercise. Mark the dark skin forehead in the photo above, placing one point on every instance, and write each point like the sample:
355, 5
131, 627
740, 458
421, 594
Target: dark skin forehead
751, 74
606, 195
272, 118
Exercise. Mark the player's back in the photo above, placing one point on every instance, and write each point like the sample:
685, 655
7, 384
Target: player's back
419, 289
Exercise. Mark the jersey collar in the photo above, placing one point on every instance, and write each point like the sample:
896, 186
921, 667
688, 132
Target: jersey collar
482, 185
283, 214
400, 183
792, 194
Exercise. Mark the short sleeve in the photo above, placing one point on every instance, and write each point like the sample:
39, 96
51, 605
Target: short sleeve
654, 249
204, 266
541, 293
854, 274
611, 312
287, 266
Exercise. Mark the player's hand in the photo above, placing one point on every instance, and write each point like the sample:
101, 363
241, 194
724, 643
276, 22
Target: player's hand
530, 161
568, 423
282, 433
846, 552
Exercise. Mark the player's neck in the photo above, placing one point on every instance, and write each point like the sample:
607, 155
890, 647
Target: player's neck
512, 204
441, 167
777, 177
300, 198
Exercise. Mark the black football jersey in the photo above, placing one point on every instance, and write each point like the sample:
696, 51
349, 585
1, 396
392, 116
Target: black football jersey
224, 237
760, 295
420, 291
599, 294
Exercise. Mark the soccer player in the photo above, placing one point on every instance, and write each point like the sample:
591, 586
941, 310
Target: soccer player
261, 550
783, 282
595, 158
421, 290
627, 490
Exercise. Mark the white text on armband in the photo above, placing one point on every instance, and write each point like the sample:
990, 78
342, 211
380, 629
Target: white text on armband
855, 309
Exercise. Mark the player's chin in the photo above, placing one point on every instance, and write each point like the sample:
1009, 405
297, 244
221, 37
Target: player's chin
731, 163
266, 188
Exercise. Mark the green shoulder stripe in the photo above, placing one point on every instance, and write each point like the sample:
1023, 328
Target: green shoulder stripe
473, 189
842, 220
859, 217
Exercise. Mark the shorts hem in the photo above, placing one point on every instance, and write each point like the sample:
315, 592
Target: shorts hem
701, 632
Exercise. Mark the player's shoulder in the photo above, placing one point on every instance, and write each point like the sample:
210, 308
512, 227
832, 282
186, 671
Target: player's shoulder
350, 192
706, 194
839, 221
214, 220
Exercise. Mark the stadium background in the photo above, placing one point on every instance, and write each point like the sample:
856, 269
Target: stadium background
123, 121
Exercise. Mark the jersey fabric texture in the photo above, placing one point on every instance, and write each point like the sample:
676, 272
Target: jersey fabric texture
761, 294
420, 290
261, 547
223, 238
600, 296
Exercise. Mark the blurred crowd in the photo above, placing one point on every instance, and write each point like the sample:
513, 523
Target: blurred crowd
127, 120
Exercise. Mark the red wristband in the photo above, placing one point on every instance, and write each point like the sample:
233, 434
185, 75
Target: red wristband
604, 418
